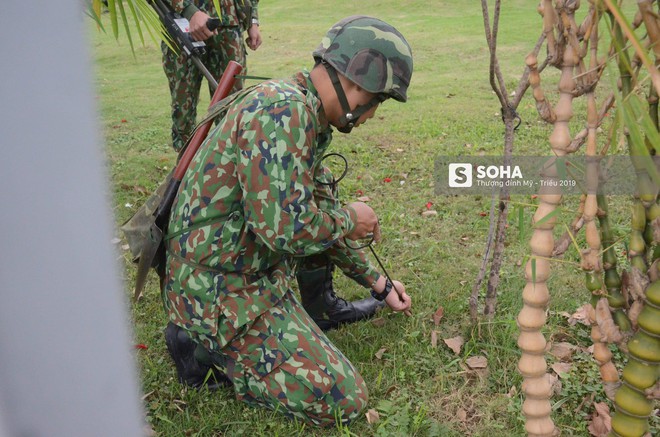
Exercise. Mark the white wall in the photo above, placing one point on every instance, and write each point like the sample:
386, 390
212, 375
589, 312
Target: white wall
66, 364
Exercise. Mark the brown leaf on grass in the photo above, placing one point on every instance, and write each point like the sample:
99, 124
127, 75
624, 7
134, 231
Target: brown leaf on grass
438, 315
462, 415
601, 422
610, 389
434, 339
364, 199
378, 322
512, 392
554, 381
372, 416
563, 351
477, 362
454, 343
561, 369
379, 354
581, 315
429, 213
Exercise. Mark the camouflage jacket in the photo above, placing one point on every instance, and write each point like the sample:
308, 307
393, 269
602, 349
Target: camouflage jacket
234, 12
249, 204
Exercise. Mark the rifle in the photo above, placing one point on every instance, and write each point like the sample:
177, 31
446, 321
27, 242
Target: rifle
177, 29
144, 231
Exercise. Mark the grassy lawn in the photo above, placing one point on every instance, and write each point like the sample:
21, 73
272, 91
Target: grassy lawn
417, 388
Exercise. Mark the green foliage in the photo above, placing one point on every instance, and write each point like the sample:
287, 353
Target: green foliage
140, 16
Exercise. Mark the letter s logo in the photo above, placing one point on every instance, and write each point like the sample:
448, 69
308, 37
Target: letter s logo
460, 175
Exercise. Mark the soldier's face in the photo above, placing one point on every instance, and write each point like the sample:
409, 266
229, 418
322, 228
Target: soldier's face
367, 115
358, 97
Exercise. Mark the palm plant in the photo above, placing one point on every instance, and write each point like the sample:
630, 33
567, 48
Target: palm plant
624, 304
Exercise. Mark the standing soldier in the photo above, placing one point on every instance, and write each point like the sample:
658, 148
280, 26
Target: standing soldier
222, 45
252, 204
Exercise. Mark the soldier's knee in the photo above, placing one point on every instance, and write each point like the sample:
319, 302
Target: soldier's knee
354, 399
356, 402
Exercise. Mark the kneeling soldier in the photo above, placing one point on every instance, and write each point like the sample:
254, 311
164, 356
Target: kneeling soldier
254, 203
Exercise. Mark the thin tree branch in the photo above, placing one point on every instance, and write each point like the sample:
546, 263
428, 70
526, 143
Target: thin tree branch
492, 49
474, 296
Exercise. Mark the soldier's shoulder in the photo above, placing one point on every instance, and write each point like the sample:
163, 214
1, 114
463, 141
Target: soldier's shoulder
276, 92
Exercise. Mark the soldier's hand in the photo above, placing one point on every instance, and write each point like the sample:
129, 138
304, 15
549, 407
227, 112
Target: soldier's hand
254, 37
366, 223
398, 299
198, 28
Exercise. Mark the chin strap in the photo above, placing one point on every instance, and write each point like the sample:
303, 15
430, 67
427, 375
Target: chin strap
348, 119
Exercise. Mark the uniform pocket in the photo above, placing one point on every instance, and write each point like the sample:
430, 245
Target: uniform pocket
261, 353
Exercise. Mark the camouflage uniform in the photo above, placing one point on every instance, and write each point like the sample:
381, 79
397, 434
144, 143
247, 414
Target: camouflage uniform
184, 77
251, 202
256, 199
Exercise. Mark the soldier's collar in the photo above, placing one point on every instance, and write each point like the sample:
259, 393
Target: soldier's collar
305, 82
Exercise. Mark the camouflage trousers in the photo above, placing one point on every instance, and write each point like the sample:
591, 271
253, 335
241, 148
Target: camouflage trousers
185, 79
284, 362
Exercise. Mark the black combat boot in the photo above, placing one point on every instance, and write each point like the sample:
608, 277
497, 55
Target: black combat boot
192, 361
323, 305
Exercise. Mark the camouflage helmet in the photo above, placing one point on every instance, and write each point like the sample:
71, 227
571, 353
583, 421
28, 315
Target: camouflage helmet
370, 53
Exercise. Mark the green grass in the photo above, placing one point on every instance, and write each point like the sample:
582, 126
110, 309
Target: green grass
418, 389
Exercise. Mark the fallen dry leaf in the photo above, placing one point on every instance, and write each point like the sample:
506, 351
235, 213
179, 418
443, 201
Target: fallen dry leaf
434, 339
462, 415
477, 362
454, 343
372, 416
379, 354
601, 422
429, 213
364, 199
561, 369
554, 381
581, 316
563, 351
438, 315
378, 322
512, 392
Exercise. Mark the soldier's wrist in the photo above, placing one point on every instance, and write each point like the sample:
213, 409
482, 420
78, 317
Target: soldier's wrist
353, 218
379, 284
189, 11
